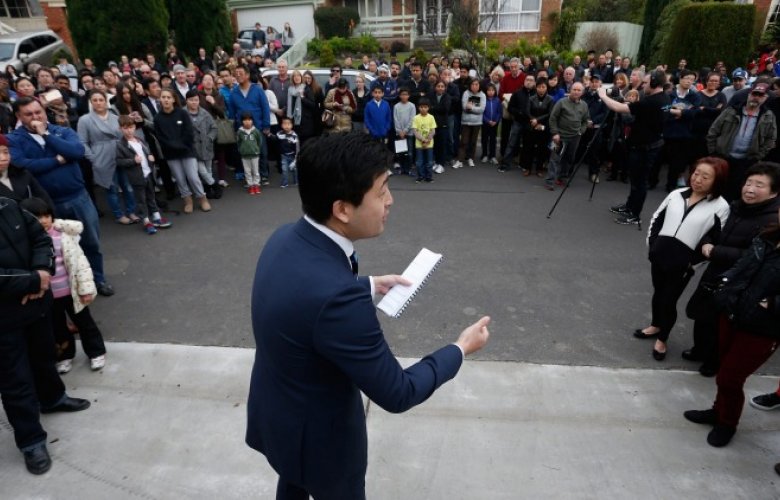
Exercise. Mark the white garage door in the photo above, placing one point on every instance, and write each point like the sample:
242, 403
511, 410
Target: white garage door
300, 17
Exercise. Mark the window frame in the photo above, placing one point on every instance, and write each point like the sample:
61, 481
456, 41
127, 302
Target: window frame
498, 9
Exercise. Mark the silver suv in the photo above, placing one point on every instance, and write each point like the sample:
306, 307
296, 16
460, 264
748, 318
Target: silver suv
23, 48
322, 75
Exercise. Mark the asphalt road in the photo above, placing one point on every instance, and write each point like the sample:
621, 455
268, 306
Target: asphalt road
565, 290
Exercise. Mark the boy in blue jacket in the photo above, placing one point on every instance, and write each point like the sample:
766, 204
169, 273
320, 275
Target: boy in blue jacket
377, 116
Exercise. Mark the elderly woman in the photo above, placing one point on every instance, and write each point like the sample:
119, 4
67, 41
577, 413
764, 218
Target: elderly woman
755, 210
495, 77
675, 236
99, 132
341, 102
749, 329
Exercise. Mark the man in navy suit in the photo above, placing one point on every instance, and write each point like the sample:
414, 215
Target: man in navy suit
319, 342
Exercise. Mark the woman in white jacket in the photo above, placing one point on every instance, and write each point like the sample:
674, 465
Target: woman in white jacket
675, 241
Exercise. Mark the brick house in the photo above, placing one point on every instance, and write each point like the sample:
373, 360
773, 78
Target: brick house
414, 21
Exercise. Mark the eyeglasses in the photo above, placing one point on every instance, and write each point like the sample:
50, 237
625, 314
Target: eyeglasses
757, 93
335, 71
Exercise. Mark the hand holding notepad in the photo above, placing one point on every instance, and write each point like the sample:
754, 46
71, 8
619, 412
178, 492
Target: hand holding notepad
396, 300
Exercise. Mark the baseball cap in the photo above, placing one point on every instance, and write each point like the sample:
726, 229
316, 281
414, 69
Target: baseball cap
739, 73
760, 88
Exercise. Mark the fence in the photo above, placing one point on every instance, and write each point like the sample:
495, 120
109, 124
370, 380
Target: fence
400, 27
297, 53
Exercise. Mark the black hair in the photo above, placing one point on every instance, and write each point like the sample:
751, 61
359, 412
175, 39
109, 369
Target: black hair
337, 167
62, 77
687, 72
191, 93
286, 118
247, 115
23, 101
423, 101
768, 168
37, 206
403, 90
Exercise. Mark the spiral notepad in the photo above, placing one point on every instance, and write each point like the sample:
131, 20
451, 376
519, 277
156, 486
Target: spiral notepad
396, 300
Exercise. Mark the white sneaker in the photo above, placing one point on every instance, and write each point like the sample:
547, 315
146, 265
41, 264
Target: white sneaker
64, 366
471, 162
97, 362
223, 183
439, 169
397, 166
457, 164
484, 159
494, 161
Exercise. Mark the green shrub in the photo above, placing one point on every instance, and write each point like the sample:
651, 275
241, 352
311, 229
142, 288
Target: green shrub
366, 44
663, 29
101, 30
565, 28
314, 46
396, 47
706, 32
336, 21
653, 10
327, 56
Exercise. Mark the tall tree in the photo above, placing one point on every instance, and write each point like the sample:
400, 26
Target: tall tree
200, 23
104, 29
653, 9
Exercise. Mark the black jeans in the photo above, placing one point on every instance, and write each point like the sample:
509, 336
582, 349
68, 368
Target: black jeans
639, 162
668, 285
28, 378
91, 338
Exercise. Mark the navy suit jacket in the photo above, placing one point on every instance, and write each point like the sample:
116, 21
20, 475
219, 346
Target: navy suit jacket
319, 343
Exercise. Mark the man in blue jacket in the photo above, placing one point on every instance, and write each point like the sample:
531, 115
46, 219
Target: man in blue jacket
319, 342
247, 96
52, 153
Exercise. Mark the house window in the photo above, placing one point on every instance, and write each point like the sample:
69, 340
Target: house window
774, 12
14, 8
510, 15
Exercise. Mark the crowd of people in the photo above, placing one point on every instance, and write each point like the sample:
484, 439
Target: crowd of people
140, 133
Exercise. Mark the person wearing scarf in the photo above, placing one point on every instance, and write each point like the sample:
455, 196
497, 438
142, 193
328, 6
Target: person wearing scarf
341, 101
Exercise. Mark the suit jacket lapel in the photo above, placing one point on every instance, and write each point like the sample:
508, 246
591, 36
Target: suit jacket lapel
321, 241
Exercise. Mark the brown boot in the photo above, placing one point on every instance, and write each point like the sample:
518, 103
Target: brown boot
204, 204
187, 204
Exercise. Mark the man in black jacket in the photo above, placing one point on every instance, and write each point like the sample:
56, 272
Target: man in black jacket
518, 109
29, 383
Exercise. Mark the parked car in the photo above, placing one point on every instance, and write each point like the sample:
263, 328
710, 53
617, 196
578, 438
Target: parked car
245, 37
23, 48
322, 75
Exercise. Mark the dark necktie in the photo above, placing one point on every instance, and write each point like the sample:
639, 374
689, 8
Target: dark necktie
354, 261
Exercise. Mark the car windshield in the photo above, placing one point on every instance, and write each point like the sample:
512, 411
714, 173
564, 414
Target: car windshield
6, 51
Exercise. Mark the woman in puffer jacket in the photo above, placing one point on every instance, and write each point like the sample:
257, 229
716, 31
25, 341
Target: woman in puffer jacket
749, 298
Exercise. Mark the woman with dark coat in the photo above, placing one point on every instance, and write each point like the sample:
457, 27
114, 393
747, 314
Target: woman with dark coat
749, 328
749, 215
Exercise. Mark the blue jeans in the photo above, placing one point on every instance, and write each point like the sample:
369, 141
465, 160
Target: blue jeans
112, 195
288, 174
425, 163
82, 209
